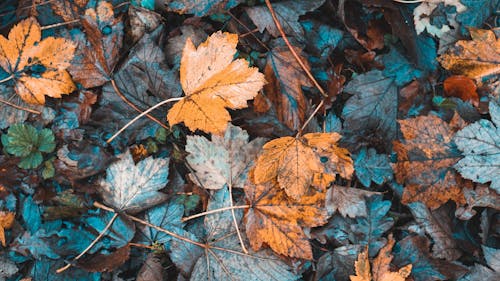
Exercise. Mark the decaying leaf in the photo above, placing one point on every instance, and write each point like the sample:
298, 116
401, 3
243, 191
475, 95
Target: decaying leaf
425, 160
38, 66
349, 202
294, 162
474, 58
277, 221
224, 160
480, 144
130, 187
212, 81
461, 87
371, 166
380, 270
6, 222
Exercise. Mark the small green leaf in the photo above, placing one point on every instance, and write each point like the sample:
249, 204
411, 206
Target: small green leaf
48, 170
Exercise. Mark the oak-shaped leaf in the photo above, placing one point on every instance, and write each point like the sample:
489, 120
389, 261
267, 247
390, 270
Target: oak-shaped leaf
212, 81
380, 268
474, 58
222, 258
132, 188
279, 222
480, 144
298, 163
97, 52
37, 66
425, 160
224, 160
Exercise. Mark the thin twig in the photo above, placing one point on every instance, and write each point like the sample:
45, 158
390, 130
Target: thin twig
124, 98
101, 234
20, 107
295, 55
59, 24
249, 31
6, 79
310, 118
215, 211
141, 115
236, 221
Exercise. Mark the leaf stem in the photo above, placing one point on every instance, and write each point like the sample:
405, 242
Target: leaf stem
310, 118
235, 221
19, 107
185, 219
141, 115
295, 55
124, 98
7, 79
101, 234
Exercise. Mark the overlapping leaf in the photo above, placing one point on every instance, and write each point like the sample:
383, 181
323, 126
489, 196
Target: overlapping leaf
38, 66
212, 81
298, 163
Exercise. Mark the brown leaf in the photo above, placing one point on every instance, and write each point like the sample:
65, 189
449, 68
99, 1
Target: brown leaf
38, 66
105, 263
284, 90
277, 221
371, 35
294, 162
381, 270
212, 81
6, 222
349, 202
68, 10
474, 58
425, 160
461, 87
96, 56
362, 267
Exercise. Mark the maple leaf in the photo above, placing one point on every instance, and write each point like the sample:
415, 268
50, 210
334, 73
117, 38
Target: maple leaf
6, 222
223, 161
371, 166
38, 66
132, 188
212, 81
276, 220
480, 144
425, 160
347, 201
474, 58
294, 162
97, 55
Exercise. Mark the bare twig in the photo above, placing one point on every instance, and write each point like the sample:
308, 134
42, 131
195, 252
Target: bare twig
310, 118
59, 24
141, 115
184, 219
295, 55
19, 107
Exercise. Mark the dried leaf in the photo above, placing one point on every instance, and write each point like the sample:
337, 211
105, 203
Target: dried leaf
476, 58
461, 87
349, 202
278, 221
481, 196
212, 81
6, 222
223, 161
105, 262
130, 187
200, 8
68, 10
38, 66
362, 266
425, 158
381, 265
294, 162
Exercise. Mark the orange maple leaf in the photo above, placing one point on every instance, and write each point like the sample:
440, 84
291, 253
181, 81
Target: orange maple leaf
298, 163
474, 58
276, 220
212, 81
38, 66
425, 162
381, 264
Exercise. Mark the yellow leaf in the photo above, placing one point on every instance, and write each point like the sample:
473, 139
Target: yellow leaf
474, 58
298, 163
38, 67
6, 222
212, 81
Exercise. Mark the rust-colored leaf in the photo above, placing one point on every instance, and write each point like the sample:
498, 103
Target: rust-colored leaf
6, 222
461, 87
474, 58
296, 162
212, 81
105, 263
68, 10
277, 221
425, 160
38, 66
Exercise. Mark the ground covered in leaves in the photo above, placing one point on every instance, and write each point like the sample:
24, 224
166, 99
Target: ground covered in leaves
249, 140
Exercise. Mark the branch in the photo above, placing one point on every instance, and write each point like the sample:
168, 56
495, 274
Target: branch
185, 219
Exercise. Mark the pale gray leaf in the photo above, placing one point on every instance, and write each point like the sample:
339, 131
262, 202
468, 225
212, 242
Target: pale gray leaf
347, 201
481, 196
132, 188
7, 268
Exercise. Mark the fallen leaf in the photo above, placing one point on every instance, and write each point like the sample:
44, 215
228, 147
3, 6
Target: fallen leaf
212, 81
200, 8
105, 262
480, 144
38, 66
362, 266
474, 58
277, 221
337, 264
461, 87
481, 196
6, 222
349, 202
7, 268
152, 269
68, 10
488, 272
293, 162
97, 54
381, 265
425, 160
371, 166
132, 188
224, 160
437, 16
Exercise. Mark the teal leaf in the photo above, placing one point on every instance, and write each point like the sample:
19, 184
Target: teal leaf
370, 166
